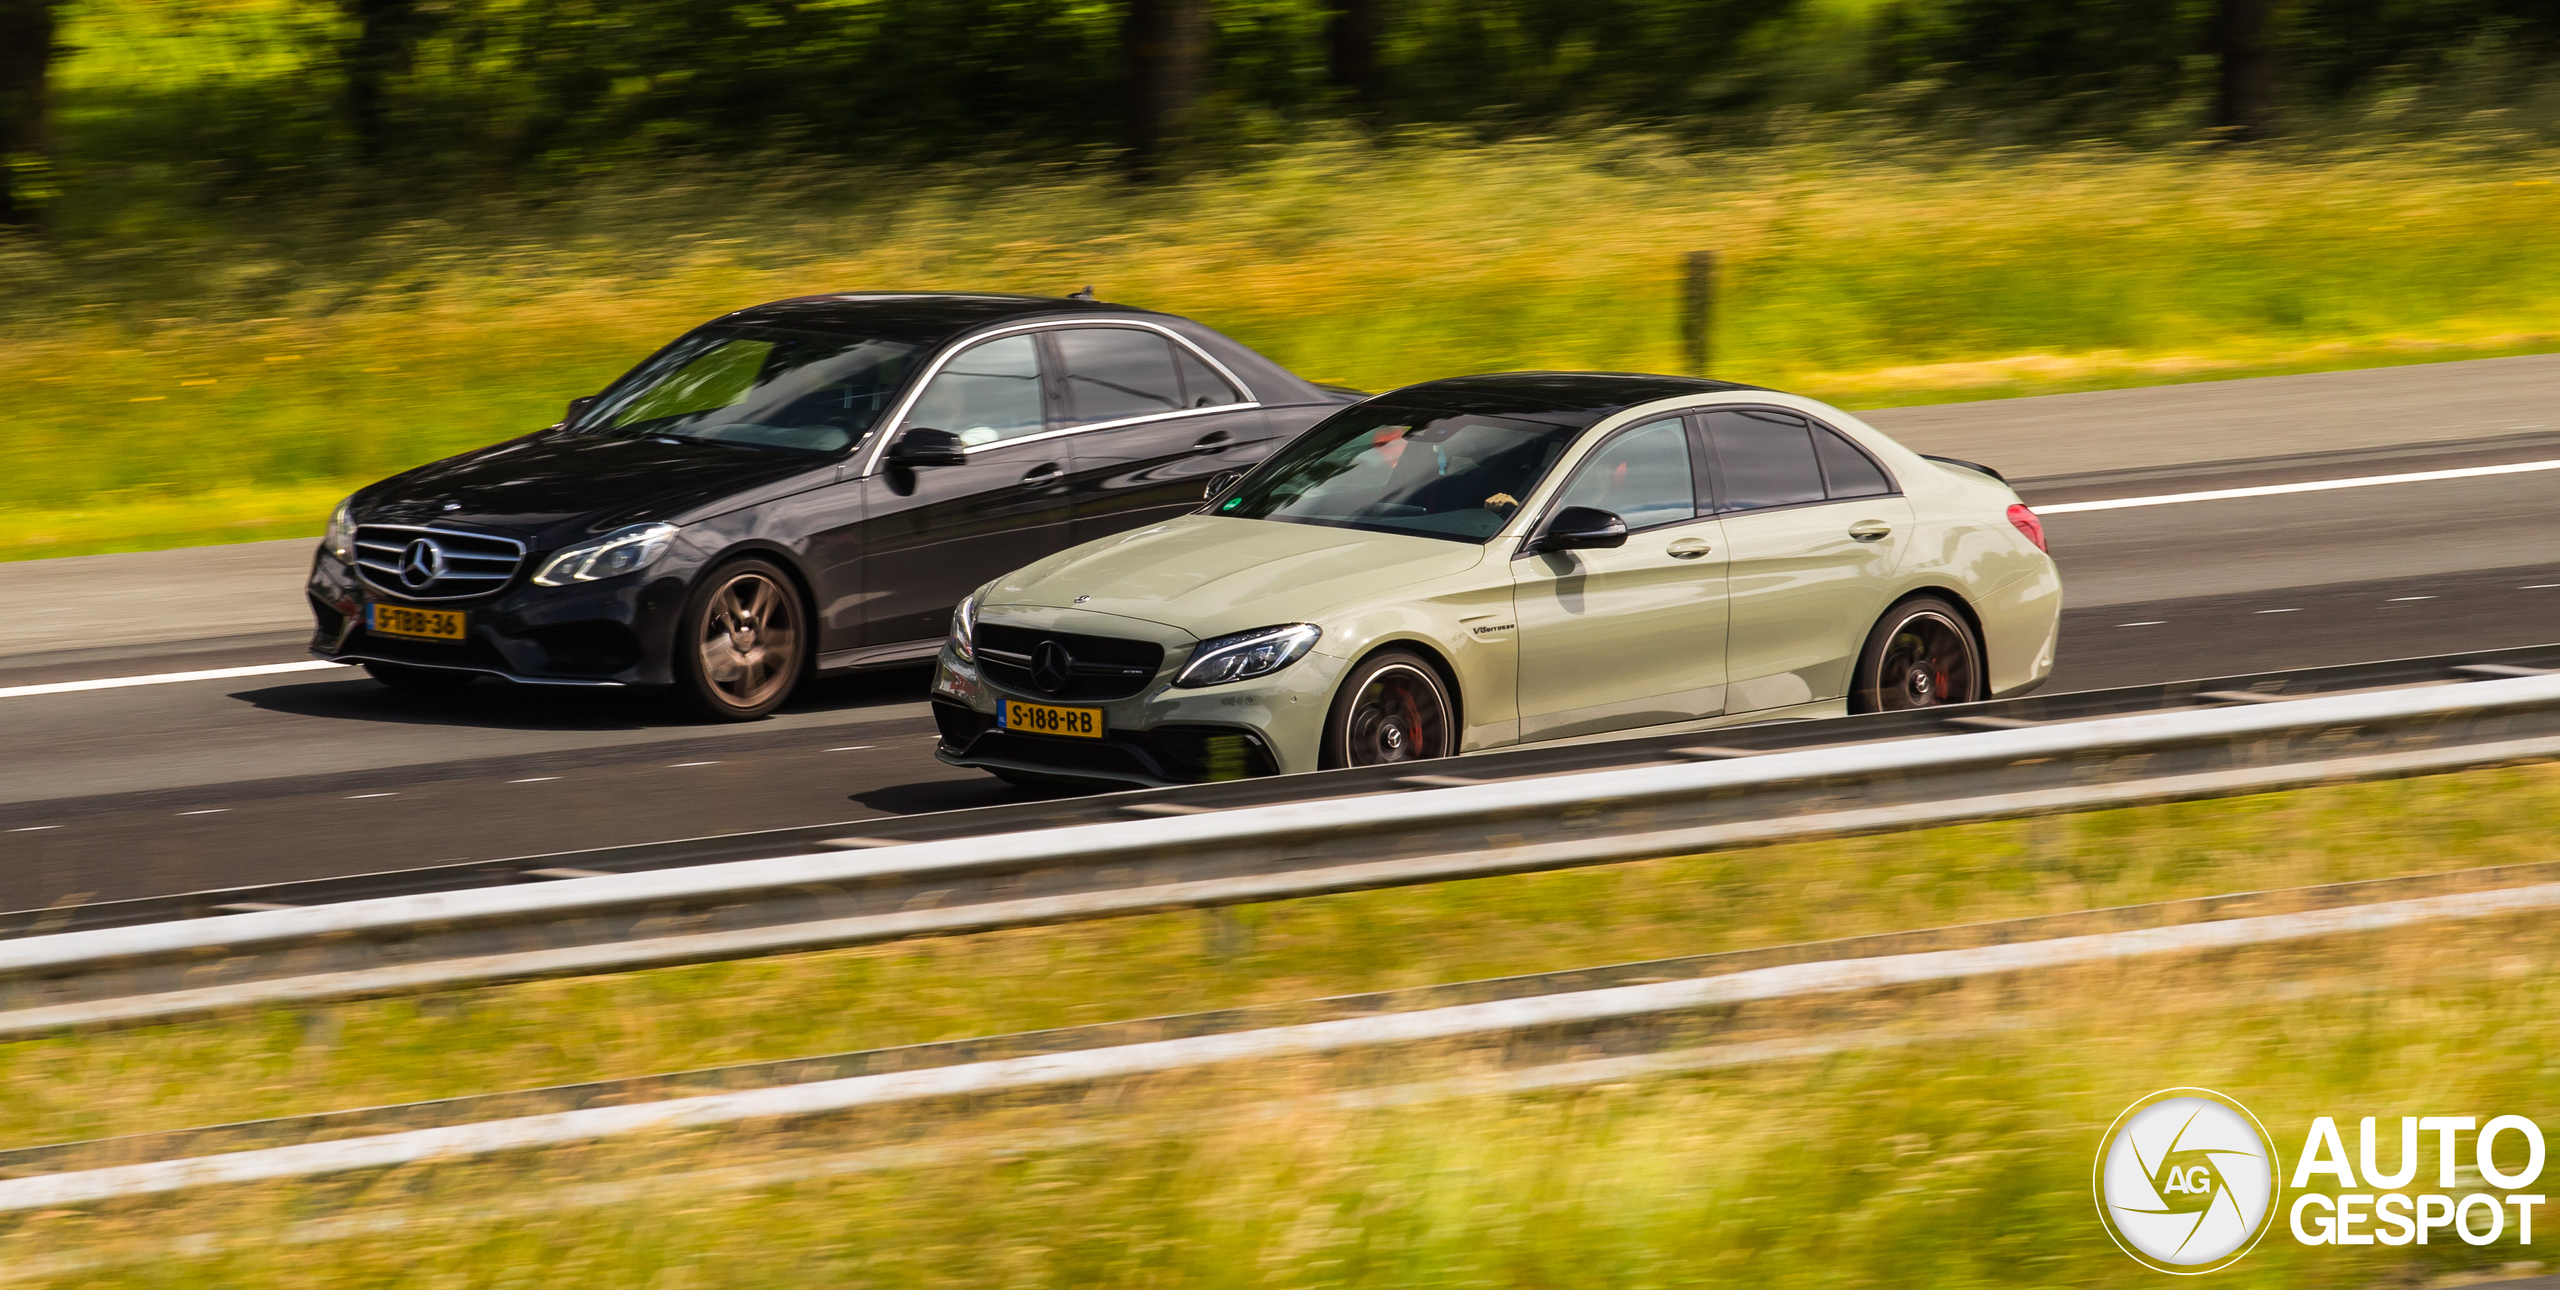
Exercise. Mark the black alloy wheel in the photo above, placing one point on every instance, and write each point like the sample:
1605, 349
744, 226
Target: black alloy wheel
1922, 654
741, 646
1392, 708
420, 680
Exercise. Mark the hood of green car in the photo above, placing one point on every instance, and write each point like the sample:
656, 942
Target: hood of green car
1209, 576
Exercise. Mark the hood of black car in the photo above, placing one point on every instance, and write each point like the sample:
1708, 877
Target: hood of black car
562, 485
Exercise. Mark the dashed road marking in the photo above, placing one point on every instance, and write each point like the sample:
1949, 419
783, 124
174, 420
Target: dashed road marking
538, 779
853, 748
210, 810
35, 828
673, 765
358, 797
2312, 486
2295, 610
2149, 622
165, 678
2397, 600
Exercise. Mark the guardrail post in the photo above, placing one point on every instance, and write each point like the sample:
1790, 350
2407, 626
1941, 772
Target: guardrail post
1698, 311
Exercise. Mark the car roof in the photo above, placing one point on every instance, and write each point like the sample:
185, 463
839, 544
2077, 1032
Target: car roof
919, 317
1568, 398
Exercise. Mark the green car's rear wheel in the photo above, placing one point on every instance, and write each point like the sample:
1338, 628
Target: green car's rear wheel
1392, 708
1921, 655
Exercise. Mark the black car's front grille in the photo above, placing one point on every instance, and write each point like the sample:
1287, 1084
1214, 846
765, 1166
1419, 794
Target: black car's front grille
434, 564
1065, 665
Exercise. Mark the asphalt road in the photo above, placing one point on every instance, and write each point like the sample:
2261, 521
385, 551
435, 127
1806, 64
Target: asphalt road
160, 788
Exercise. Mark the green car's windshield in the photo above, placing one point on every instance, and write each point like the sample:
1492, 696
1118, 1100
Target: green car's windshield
759, 387
1431, 473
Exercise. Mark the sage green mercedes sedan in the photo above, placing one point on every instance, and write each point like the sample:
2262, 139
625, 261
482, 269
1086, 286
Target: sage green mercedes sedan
1492, 561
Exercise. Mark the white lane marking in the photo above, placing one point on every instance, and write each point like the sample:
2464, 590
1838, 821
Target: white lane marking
2399, 600
358, 797
852, 748
36, 828
2540, 586
2152, 622
673, 765
165, 678
2280, 611
538, 779
211, 810
2312, 486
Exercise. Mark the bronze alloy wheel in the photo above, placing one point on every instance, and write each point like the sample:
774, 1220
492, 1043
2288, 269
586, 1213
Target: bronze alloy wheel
743, 647
1393, 708
1923, 655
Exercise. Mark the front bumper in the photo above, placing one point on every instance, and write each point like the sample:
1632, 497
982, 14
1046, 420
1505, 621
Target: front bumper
1163, 736
616, 632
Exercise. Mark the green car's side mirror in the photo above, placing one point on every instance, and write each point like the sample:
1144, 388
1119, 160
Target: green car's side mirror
923, 447
1581, 528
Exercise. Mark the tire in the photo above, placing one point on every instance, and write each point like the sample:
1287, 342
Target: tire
420, 680
742, 644
1922, 654
1392, 708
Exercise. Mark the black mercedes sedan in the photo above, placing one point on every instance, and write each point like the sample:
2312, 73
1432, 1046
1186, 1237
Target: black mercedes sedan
806, 486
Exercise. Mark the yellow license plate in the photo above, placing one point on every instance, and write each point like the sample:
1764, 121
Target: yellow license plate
428, 624
1041, 719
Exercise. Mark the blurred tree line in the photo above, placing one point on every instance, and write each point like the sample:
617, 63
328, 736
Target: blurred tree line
506, 86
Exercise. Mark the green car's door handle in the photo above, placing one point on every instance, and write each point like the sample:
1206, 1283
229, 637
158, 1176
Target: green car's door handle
1687, 549
1870, 530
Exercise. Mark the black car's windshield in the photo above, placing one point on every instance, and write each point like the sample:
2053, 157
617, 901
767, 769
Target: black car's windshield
760, 387
1431, 473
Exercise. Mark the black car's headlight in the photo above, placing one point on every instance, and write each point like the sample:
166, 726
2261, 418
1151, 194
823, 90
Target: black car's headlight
340, 540
621, 551
964, 629
1244, 655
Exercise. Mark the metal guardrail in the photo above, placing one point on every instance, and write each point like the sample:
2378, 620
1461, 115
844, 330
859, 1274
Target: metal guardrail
1460, 1022
1598, 754
1211, 857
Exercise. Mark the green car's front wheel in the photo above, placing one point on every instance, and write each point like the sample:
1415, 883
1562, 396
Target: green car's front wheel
1392, 708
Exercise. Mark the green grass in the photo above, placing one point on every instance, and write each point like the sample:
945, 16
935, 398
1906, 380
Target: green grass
213, 376
1958, 1159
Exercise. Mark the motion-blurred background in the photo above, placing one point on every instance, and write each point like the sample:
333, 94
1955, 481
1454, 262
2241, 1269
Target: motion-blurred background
257, 251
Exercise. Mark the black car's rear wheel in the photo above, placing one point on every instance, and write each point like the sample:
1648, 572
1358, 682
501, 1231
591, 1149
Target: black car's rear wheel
1921, 655
742, 644
1392, 708
420, 680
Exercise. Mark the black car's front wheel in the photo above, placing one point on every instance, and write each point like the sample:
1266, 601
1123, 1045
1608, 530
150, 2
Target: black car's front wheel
1392, 708
742, 644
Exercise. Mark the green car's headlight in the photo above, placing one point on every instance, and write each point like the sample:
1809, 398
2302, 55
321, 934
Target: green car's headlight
618, 552
340, 541
1245, 655
964, 629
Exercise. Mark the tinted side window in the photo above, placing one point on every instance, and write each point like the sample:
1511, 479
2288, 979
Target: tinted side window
1849, 472
1642, 475
1766, 458
989, 393
1202, 387
1115, 372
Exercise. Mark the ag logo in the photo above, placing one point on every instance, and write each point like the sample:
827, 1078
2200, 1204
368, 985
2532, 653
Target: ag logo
2186, 1180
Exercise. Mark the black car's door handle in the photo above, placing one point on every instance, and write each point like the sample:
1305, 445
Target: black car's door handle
1044, 473
1213, 441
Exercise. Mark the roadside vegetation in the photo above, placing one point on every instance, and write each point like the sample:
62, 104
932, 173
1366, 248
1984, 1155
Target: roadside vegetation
1944, 1140
254, 253
195, 389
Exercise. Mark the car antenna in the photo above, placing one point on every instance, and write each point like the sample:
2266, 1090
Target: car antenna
1085, 294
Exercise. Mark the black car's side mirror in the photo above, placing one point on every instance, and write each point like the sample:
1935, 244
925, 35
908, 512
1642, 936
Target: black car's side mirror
1219, 484
1582, 528
578, 407
920, 446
